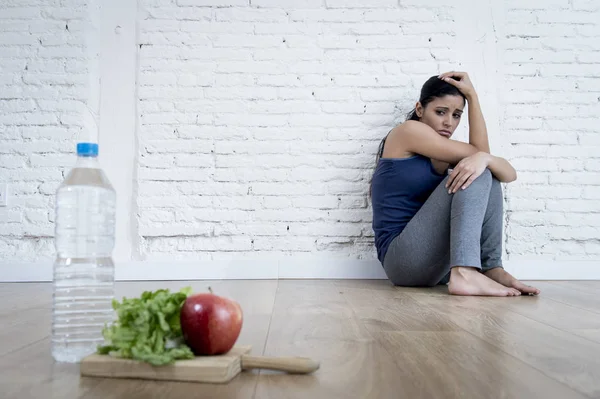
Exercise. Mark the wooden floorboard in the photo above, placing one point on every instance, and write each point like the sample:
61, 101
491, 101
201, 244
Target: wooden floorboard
565, 357
373, 341
457, 364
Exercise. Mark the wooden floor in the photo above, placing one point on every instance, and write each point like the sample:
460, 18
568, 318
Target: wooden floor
373, 341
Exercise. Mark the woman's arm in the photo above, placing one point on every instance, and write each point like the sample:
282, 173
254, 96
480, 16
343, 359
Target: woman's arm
478, 136
473, 166
477, 130
501, 169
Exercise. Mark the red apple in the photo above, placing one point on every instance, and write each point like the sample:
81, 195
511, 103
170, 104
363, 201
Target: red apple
210, 324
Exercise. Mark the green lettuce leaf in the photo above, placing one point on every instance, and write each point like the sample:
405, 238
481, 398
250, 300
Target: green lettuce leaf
148, 328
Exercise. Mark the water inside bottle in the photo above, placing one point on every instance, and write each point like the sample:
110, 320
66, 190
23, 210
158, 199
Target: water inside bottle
83, 270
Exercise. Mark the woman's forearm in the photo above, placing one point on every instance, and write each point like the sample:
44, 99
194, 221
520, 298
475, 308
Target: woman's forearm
501, 169
478, 136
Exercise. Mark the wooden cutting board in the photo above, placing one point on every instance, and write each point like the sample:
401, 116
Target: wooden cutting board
214, 369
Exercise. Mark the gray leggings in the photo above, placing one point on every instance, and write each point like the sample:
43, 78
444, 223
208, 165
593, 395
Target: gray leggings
460, 229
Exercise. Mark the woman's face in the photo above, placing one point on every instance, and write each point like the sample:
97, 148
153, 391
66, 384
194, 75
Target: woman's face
442, 114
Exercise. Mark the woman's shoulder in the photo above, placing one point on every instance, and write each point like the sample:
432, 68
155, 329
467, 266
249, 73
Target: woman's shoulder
409, 126
395, 142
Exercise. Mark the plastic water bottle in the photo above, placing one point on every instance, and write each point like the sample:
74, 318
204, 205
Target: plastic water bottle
83, 269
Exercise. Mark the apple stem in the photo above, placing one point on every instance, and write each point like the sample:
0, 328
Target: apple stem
211, 291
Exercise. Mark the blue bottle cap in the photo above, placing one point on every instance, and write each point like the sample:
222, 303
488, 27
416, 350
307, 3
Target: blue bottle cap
87, 149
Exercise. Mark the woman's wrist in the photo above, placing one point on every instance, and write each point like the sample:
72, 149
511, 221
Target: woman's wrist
471, 96
487, 157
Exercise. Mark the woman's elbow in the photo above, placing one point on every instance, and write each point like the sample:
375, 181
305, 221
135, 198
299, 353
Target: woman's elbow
511, 177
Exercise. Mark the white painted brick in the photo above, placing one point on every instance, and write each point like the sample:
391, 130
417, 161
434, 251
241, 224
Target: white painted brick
540, 56
175, 201
233, 79
175, 174
276, 203
212, 3
589, 139
17, 105
591, 192
588, 5
360, 4
63, 105
222, 243
247, 203
157, 160
285, 107
592, 165
291, 243
12, 161
251, 175
194, 188
537, 5
574, 233
262, 93
587, 70
158, 215
579, 205
47, 188
251, 120
318, 202
196, 160
570, 165
588, 30
291, 54
11, 229
260, 41
288, 4
374, 28
179, 146
253, 229
175, 230
591, 247
252, 67
326, 15
10, 216
540, 137
38, 230
36, 216
589, 58
571, 17
586, 178
250, 15
310, 28
251, 147
326, 229
560, 191
217, 27
526, 178
526, 204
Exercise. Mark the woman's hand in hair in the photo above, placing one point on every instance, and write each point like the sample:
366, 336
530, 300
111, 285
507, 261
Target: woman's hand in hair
461, 81
467, 170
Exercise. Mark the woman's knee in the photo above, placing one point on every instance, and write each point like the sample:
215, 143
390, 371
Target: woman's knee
486, 177
482, 183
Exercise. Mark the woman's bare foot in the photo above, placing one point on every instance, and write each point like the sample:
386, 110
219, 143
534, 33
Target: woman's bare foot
469, 281
501, 276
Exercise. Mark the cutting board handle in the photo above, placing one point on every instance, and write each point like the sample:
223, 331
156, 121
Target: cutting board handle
296, 365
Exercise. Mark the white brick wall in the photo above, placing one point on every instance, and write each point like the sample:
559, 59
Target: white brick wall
259, 123
259, 119
551, 101
43, 86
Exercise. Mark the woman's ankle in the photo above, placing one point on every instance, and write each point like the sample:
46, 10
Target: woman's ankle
462, 270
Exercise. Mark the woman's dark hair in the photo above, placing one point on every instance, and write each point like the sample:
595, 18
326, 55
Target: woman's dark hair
433, 88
